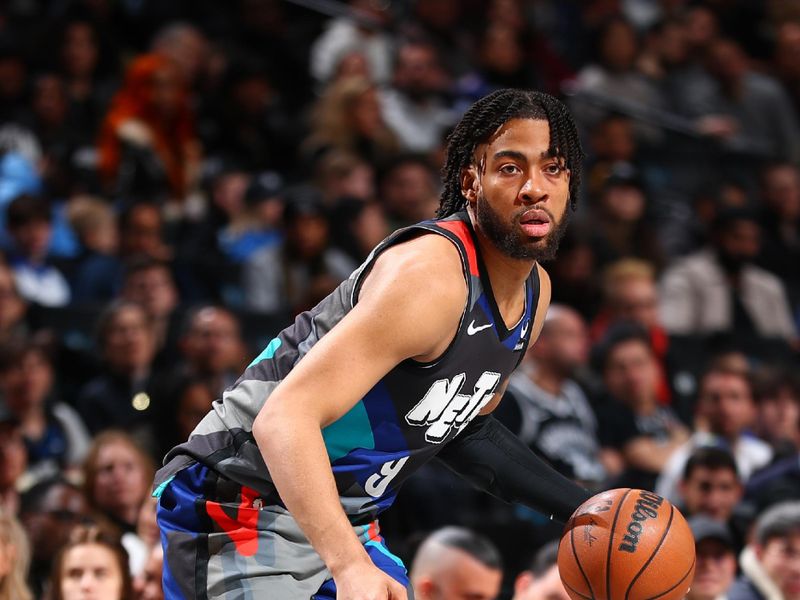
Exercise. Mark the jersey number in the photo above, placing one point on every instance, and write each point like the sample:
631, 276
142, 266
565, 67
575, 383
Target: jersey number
376, 484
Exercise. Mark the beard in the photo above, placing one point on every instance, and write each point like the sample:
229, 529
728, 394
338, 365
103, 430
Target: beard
509, 237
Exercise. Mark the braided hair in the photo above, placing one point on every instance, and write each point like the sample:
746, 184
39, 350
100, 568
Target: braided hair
490, 113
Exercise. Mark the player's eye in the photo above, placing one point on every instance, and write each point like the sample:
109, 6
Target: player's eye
510, 169
553, 169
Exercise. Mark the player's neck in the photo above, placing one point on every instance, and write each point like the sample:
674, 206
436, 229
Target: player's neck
507, 277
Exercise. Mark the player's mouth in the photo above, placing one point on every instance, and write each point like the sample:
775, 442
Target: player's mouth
535, 223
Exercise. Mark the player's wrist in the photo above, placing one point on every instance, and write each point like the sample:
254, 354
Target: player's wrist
350, 562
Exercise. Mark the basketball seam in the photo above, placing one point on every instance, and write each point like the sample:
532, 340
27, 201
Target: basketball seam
572, 589
577, 560
694, 561
655, 551
611, 543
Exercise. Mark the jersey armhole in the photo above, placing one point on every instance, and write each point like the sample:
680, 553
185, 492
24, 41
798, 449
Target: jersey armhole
402, 236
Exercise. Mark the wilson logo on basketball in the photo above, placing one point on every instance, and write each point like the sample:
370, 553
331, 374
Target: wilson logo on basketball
646, 508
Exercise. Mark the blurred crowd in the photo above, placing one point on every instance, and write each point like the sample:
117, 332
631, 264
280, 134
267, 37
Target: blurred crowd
179, 178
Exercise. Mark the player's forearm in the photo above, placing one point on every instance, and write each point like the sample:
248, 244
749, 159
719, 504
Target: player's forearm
298, 464
493, 459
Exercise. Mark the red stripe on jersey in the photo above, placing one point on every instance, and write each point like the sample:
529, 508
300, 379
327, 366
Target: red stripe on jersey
461, 230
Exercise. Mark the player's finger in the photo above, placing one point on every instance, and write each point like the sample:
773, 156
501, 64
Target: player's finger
397, 592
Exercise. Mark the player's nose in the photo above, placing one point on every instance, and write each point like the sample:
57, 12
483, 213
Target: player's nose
531, 191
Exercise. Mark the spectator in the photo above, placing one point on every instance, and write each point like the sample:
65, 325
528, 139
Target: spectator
255, 210
357, 227
150, 284
710, 485
253, 126
637, 434
542, 580
715, 569
769, 565
340, 174
454, 562
719, 289
613, 150
190, 401
620, 227
612, 77
630, 293
412, 107
14, 559
212, 347
29, 222
55, 436
777, 395
49, 511
359, 29
117, 477
13, 461
88, 65
49, 120
186, 47
780, 222
96, 276
119, 397
348, 117
13, 308
547, 409
93, 564
757, 114
147, 586
299, 273
409, 190
141, 233
785, 60
147, 142
13, 76
725, 413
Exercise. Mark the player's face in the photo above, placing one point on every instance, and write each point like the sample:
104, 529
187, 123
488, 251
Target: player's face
715, 570
521, 191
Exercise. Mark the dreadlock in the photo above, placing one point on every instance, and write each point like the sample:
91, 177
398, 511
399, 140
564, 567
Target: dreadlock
490, 113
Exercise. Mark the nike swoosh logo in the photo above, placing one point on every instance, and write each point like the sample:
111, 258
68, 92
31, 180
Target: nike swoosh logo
472, 330
524, 329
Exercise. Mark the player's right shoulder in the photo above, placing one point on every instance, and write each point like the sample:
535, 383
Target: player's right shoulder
426, 264
419, 287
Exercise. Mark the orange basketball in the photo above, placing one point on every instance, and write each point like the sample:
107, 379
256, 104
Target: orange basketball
626, 544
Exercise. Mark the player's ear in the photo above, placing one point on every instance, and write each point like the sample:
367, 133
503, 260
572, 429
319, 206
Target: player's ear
424, 588
470, 183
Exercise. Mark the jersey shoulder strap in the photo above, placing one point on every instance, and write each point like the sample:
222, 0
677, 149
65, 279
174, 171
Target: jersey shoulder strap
455, 228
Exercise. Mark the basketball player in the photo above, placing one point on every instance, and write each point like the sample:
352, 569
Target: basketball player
277, 491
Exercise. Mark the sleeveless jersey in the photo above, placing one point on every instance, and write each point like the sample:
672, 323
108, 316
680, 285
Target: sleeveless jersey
403, 421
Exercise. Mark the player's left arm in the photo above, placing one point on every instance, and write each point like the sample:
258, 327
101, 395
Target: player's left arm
488, 455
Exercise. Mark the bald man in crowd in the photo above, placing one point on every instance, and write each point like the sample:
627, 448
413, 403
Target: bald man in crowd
454, 563
542, 580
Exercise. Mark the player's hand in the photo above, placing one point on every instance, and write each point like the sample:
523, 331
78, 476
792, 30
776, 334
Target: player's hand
367, 582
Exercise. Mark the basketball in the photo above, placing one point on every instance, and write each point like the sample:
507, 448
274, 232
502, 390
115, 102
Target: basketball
626, 544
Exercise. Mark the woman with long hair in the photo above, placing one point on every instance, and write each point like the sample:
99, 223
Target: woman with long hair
348, 116
15, 557
93, 563
147, 141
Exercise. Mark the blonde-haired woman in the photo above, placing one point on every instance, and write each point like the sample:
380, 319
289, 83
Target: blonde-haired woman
348, 116
15, 558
